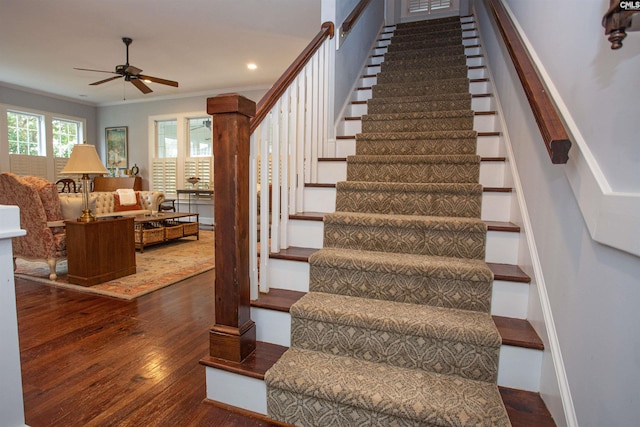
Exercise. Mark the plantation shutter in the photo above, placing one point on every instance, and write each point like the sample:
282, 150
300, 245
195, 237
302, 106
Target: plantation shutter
201, 167
164, 175
418, 6
23, 165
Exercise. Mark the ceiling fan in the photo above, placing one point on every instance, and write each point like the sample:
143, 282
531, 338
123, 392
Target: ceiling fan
131, 74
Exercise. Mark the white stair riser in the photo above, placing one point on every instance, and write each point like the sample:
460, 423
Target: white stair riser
491, 173
368, 81
496, 206
468, 26
272, 326
236, 390
472, 62
305, 234
518, 367
470, 51
362, 95
510, 299
470, 33
485, 103
383, 42
317, 199
291, 275
484, 123
502, 247
345, 147
356, 110
351, 127
379, 51
372, 69
376, 60
470, 42
488, 146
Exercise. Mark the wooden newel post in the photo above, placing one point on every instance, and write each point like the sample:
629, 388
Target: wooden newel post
233, 337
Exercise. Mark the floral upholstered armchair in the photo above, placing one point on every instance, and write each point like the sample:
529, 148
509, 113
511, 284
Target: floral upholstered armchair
40, 216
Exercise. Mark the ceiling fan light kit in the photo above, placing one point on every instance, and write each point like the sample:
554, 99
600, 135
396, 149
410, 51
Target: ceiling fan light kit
131, 74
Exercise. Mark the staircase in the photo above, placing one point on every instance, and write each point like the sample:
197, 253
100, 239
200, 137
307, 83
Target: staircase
408, 307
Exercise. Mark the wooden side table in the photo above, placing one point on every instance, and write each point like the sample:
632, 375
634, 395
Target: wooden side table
100, 251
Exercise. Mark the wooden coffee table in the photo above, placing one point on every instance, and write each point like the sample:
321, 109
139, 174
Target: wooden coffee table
164, 227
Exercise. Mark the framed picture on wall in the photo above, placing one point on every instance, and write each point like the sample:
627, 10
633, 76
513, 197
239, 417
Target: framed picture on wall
117, 147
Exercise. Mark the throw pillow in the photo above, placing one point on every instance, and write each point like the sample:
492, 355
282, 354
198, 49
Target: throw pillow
119, 208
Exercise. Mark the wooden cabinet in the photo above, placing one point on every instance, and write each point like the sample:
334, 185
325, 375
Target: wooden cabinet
106, 183
100, 251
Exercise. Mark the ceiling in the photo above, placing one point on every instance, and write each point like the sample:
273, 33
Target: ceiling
205, 45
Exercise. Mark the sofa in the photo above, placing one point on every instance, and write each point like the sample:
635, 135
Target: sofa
40, 216
106, 203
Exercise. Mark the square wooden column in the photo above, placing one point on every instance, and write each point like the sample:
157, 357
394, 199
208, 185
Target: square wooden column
233, 337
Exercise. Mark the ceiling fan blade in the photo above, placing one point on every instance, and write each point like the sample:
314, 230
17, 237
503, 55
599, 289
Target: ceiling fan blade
97, 71
158, 80
132, 70
104, 81
140, 85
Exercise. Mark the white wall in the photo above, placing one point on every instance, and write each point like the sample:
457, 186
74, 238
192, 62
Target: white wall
590, 291
11, 402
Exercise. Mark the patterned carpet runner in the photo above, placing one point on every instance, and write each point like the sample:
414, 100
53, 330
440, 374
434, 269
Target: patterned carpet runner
396, 329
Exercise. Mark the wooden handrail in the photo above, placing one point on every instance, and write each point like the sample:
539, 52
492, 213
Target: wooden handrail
271, 97
353, 16
554, 134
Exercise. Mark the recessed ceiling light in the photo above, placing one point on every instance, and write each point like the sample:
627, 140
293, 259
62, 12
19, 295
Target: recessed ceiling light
252, 66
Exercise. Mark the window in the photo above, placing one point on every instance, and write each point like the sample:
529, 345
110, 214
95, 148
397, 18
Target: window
199, 137
181, 147
167, 139
25, 132
37, 143
65, 136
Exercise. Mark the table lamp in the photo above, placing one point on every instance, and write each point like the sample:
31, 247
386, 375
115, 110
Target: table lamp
84, 160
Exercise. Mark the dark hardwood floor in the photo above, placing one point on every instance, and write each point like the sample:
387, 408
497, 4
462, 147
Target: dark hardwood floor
96, 361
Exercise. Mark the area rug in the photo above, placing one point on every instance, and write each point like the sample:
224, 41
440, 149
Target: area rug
157, 267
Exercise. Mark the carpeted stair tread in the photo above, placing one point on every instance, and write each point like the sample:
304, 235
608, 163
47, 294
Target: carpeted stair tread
431, 52
459, 85
399, 38
463, 168
421, 74
443, 340
415, 320
431, 97
430, 199
418, 115
423, 63
453, 41
410, 146
446, 105
459, 283
410, 234
303, 386
418, 121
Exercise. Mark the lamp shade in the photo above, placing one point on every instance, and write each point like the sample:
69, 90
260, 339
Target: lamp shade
84, 159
